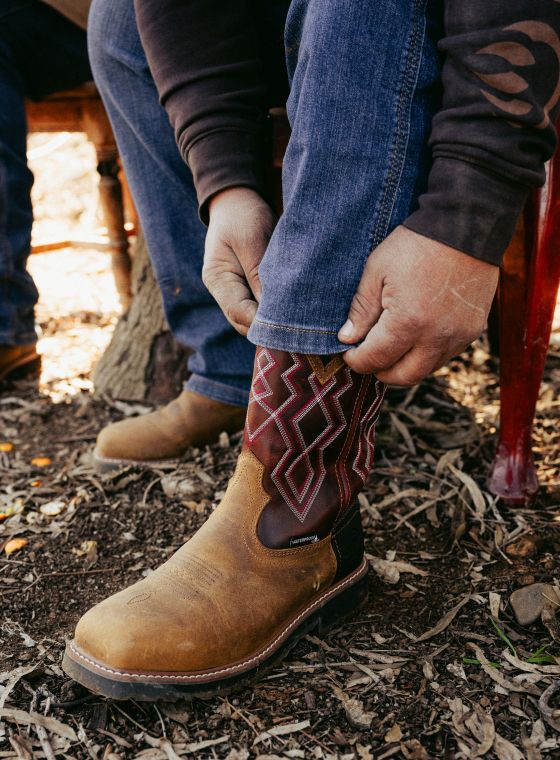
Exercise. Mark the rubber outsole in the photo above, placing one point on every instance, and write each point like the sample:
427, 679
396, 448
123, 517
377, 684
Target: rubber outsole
341, 601
103, 465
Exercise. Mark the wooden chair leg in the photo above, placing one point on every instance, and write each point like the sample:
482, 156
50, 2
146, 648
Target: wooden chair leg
111, 197
528, 290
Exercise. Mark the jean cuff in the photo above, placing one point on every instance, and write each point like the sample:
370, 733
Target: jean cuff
217, 391
302, 340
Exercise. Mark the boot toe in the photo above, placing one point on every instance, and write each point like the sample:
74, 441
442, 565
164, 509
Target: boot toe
131, 440
109, 442
103, 635
139, 631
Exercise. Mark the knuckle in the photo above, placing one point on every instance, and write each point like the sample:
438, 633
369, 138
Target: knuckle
207, 276
361, 307
233, 313
404, 377
413, 378
359, 364
413, 322
252, 272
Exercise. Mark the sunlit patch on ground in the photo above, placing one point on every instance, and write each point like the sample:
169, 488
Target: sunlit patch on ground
78, 304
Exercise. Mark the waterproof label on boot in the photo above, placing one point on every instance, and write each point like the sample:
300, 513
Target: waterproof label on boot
303, 540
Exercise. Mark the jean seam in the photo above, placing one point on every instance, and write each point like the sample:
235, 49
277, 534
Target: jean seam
294, 329
402, 127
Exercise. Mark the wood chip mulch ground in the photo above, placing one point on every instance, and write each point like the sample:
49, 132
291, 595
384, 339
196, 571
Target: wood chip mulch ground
436, 665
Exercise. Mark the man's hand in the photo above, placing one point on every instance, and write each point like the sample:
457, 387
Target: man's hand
419, 303
241, 224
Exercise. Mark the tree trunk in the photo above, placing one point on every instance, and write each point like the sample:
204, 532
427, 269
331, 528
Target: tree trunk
143, 362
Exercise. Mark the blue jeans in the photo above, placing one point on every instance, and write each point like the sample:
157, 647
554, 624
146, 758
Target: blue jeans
161, 184
365, 83
40, 52
364, 86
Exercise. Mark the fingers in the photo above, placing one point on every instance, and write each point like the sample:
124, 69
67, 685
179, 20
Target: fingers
237, 302
366, 306
383, 346
251, 272
413, 367
233, 296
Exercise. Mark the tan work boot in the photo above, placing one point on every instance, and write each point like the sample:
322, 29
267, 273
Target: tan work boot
281, 556
19, 361
165, 435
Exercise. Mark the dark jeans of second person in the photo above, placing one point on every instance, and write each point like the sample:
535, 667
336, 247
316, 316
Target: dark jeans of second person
40, 52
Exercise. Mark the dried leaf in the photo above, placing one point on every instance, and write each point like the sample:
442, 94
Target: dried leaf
238, 754
472, 724
14, 545
494, 601
530, 667
473, 489
282, 730
481, 726
41, 461
354, 709
445, 621
496, 676
505, 750
390, 570
531, 744
12, 678
35, 719
394, 734
364, 752
445, 459
413, 750
88, 549
548, 712
404, 432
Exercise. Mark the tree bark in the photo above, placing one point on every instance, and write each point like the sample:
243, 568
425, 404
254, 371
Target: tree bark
143, 362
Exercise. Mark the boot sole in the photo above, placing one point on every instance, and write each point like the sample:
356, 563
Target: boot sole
103, 465
331, 608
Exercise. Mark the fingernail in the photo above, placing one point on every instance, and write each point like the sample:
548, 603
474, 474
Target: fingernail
347, 329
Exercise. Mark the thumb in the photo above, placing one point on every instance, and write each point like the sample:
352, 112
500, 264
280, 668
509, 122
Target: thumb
252, 276
366, 305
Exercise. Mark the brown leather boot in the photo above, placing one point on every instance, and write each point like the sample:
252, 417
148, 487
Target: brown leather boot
165, 435
19, 361
281, 556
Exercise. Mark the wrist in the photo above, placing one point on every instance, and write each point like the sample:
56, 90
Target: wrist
233, 197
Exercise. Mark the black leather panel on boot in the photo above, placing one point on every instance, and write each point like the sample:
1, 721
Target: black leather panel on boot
348, 543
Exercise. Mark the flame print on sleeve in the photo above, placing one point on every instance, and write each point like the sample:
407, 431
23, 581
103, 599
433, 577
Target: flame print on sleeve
515, 83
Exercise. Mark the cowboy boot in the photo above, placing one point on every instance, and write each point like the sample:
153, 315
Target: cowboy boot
19, 361
281, 556
164, 436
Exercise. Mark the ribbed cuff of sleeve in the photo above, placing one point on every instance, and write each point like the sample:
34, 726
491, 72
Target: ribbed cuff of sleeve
469, 209
226, 159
